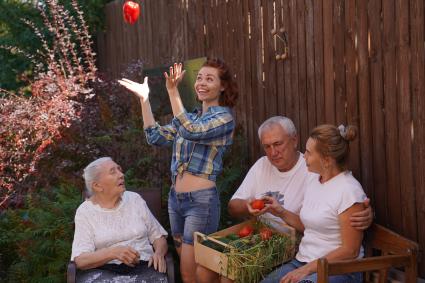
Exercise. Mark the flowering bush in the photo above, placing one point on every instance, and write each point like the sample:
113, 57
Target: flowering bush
31, 127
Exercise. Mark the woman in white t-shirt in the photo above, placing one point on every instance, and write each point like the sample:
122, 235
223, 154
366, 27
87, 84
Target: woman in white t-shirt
332, 195
116, 236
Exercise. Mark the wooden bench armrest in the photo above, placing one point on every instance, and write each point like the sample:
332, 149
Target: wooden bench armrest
325, 268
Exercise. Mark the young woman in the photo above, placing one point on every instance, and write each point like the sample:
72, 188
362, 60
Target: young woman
332, 195
199, 140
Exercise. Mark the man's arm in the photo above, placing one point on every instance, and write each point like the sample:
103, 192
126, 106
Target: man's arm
362, 220
238, 208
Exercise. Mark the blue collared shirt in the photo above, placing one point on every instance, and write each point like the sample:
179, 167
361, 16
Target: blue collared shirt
199, 141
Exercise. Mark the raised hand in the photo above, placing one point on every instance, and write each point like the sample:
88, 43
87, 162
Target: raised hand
176, 75
126, 255
140, 90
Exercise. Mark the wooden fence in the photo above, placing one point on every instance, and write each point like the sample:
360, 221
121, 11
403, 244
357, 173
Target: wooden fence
359, 62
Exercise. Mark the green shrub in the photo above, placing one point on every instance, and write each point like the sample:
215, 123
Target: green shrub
35, 241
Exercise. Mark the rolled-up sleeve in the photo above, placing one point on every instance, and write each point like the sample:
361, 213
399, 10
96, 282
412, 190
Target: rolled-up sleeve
214, 129
83, 236
160, 135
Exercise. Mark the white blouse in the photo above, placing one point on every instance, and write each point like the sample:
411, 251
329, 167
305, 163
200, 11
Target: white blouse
129, 224
323, 203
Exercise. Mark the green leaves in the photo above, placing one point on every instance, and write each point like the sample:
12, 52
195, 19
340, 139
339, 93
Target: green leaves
35, 241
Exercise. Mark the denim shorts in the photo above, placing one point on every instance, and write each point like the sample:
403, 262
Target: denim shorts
284, 269
193, 211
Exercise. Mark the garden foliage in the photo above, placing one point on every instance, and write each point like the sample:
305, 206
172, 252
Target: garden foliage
65, 65
17, 70
35, 241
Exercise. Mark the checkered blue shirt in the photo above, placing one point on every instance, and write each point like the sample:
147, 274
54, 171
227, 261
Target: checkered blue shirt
199, 141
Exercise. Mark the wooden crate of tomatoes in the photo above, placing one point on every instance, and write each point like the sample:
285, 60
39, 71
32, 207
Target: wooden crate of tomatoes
247, 251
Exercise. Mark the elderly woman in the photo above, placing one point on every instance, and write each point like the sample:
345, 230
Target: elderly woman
116, 236
332, 195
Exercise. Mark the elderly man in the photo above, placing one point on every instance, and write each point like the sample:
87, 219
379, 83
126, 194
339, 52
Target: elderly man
116, 236
281, 174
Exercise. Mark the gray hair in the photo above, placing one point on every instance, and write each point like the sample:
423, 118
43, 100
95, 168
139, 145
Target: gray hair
286, 124
92, 172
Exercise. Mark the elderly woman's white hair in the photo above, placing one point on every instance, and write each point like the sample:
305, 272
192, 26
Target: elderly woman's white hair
92, 171
286, 124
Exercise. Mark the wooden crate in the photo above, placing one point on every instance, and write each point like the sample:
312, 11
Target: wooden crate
218, 261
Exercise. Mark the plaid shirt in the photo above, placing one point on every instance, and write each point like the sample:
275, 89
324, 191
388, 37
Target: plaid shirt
199, 141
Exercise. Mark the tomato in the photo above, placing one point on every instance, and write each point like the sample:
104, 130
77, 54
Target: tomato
246, 231
131, 12
266, 233
257, 204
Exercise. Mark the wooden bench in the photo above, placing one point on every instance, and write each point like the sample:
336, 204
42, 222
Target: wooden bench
393, 250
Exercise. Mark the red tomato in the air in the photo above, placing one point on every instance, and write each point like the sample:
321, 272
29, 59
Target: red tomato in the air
131, 12
265, 234
245, 231
257, 204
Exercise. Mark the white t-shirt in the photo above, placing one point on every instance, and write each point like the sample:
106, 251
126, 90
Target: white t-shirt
129, 224
265, 179
322, 205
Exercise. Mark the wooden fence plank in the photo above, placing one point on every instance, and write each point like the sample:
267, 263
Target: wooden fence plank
256, 69
405, 121
339, 62
378, 119
252, 136
280, 64
239, 67
392, 152
178, 40
351, 93
302, 75
294, 102
270, 97
148, 35
222, 25
142, 44
417, 33
318, 61
328, 61
195, 30
310, 67
364, 93
287, 68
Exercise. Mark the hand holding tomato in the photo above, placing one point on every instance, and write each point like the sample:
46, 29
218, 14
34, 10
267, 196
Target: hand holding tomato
131, 12
257, 204
256, 207
140, 90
